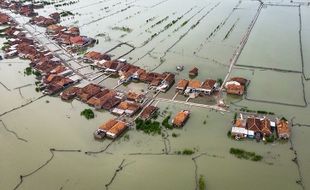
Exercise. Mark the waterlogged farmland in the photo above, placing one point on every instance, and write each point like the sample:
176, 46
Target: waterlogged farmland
46, 144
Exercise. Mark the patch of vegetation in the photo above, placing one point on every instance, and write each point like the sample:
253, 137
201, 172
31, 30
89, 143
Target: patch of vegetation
229, 134
88, 114
126, 137
148, 126
244, 109
175, 135
28, 71
123, 28
159, 22
66, 13
242, 154
36, 73
204, 122
4, 47
184, 23
186, 151
125, 83
4, 29
81, 51
156, 114
202, 182
270, 139
284, 119
219, 81
2, 35
64, 4
150, 19
166, 123
101, 35
235, 117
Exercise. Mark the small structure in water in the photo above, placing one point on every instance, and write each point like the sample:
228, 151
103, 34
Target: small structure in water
236, 86
180, 68
112, 129
283, 129
193, 73
181, 118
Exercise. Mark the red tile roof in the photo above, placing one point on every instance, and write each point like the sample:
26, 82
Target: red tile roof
181, 118
253, 124
265, 127
148, 111
194, 84
77, 40
208, 84
182, 84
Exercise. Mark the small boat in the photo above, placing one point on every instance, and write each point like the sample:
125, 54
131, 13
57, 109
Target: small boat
180, 68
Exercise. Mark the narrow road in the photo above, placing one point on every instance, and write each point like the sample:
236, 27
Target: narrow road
53, 47
239, 49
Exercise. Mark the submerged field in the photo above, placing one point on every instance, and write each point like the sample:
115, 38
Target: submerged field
49, 143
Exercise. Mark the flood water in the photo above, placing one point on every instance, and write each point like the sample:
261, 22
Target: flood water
205, 35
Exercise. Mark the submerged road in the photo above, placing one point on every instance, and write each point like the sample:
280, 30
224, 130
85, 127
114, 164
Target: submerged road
239, 49
213, 107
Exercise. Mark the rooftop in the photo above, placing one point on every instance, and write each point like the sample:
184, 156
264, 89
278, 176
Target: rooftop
208, 84
148, 111
108, 125
194, 84
180, 118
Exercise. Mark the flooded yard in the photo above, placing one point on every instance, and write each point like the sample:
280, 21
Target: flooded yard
47, 142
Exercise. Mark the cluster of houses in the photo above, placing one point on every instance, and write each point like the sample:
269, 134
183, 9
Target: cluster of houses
118, 103
55, 77
236, 86
19, 7
128, 72
42, 21
193, 88
260, 127
114, 127
69, 37
66, 36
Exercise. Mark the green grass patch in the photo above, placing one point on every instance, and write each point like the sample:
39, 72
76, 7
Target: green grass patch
202, 182
166, 123
242, 154
186, 151
148, 126
122, 28
175, 135
28, 71
88, 114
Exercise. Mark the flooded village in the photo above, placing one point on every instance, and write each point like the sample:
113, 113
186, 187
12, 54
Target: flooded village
114, 88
